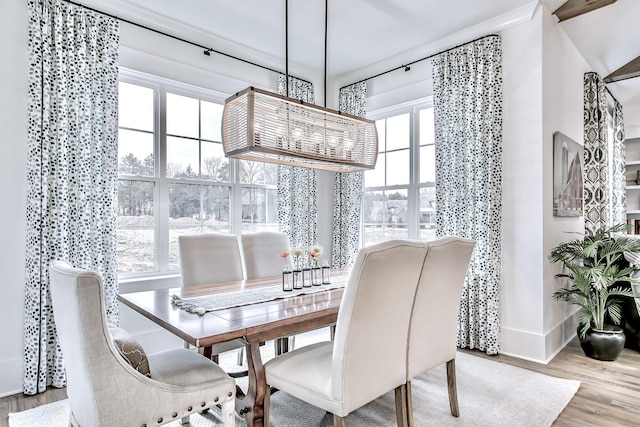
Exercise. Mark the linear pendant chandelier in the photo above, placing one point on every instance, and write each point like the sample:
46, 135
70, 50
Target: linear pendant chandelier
262, 126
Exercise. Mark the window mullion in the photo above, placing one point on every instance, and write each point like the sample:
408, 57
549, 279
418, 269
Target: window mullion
162, 221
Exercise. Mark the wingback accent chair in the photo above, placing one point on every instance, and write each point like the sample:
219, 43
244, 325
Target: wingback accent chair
432, 332
105, 390
211, 258
345, 374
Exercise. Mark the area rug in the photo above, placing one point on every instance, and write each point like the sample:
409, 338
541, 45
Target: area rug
489, 394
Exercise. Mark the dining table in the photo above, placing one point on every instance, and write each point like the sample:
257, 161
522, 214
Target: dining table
254, 311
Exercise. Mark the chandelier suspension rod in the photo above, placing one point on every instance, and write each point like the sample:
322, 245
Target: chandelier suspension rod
286, 47
326, 20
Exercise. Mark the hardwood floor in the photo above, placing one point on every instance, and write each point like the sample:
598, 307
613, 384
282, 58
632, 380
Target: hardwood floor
609, 394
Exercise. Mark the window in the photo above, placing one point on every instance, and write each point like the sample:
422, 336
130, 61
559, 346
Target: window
174, 178
399, 194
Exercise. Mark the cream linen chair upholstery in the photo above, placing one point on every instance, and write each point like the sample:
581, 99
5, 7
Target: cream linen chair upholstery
369, 354
105, 390
210, 258
261, 253
261, 257
432, 334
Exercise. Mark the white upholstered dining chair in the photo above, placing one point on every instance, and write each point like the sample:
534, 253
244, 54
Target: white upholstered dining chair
212, 258
261, 257
368, 356
432, 332
261, 253
106, 389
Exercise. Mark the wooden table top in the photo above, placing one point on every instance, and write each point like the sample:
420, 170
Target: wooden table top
258, 321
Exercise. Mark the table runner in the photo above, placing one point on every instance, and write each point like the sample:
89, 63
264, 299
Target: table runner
207, 303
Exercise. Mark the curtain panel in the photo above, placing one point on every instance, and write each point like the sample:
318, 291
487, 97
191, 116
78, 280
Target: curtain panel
72, 168
604, 159
468, 132
347, 190
297, 186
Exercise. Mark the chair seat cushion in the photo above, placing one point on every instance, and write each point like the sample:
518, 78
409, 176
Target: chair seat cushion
130, 350
184, 367
305, 373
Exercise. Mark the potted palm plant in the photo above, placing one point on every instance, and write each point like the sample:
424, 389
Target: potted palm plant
599, 277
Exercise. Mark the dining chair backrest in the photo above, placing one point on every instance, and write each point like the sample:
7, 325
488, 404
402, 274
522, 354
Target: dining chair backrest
370, 346
261, 253
209, 258
106, 390
432, 334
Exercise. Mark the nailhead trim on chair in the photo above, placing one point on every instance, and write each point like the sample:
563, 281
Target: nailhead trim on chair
230, 394
175, 414
216, 399
160, 420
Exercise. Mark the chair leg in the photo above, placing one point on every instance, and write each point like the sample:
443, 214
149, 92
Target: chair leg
409, 405
281, 345
266, 406
339, 421
228, 413
453, 390
240, 356
401, 405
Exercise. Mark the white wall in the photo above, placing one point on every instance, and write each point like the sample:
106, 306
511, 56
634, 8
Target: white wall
13, 176
542, 93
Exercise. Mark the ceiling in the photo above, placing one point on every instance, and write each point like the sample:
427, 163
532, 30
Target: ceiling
366, 32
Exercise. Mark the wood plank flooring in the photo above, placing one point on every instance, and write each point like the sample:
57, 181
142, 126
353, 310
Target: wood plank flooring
609, 394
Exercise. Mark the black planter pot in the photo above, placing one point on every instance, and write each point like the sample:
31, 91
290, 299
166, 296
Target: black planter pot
603, 345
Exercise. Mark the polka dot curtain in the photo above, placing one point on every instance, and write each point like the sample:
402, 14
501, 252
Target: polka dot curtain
348, 187
297, 186
604, 160
468, 132
71, 169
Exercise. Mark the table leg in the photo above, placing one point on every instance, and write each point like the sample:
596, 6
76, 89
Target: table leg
251, 405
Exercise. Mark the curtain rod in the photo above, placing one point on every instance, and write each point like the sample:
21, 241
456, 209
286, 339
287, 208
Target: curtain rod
207, 50
407, 66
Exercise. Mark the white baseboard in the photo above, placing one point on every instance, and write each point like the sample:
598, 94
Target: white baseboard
11, 377
540, 348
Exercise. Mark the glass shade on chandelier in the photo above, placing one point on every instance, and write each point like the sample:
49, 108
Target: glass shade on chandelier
262, 126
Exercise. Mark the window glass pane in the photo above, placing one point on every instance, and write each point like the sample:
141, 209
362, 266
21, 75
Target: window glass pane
182, 158
398, 132
183, 116
254, 203
272, 206
135, 153
375, 177
184, 205
428, 163
135, 227
215, 203
426, 127
258, 173
135, 106
381, 127
398, 167
211, 121
384, 216
196, 209
215, 165
427, 213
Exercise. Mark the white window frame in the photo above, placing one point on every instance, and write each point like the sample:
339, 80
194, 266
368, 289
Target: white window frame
413, 188
164, 277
